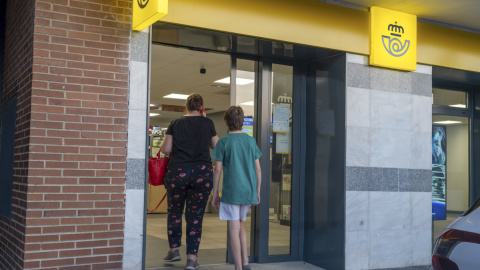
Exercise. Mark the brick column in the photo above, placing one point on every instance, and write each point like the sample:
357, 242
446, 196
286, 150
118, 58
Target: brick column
17, 81
78, 135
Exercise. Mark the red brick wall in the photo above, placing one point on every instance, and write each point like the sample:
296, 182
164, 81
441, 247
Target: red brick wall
77, 145
17, 80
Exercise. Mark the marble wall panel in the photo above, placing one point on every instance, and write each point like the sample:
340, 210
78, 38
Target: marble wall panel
132, 253
388, 80
390, 148
357, 178
421, 204
358, 76
358, 150
357, 211
139, 46
422, 114
138, 86
136, 173
392, 166
391, 111
424, 69
136, 151
421, 150
389, 211
358, 107
422, 247
390, 249
137, 134
357, 250
134, 222
357, 59
421, 84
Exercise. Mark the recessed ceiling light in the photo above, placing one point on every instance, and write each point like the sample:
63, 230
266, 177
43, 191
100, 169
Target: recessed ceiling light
152, 105
154, 114
240, 81
249, 103
447, 122
458, 106
176, 96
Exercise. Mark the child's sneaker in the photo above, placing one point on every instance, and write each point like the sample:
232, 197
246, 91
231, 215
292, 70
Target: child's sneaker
173, 256
192, 265
246, 267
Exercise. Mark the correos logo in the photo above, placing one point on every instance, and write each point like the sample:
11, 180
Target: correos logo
392, 43
142, 3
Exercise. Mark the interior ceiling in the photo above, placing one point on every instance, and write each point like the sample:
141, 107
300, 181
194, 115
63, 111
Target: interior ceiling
461, 121
176, 70
461, 13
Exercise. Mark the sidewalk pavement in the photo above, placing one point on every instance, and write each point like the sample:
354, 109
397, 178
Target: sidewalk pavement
263, 266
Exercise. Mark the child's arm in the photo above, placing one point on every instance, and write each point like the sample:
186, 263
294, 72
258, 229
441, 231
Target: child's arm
216, 180
259, 178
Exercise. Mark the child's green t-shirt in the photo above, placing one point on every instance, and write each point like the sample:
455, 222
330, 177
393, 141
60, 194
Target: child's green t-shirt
238, 152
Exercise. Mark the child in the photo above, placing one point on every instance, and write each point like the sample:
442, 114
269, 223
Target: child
238, 155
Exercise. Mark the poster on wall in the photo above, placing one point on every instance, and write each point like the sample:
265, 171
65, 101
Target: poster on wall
248, 125
281, 118
439, 174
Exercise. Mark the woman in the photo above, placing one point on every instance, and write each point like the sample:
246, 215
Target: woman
189, 177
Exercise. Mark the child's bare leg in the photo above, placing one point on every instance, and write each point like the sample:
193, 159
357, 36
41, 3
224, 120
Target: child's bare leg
234, 234
243, 243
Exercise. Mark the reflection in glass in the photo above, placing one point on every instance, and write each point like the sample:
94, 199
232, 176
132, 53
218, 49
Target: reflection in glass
477, 101
453, 153
476, 157
281, 160
444, 97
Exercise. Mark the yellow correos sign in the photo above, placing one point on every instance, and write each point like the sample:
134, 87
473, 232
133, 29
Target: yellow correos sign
146, 12
393, 39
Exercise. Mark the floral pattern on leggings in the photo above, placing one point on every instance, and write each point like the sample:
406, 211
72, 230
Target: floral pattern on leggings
193, 186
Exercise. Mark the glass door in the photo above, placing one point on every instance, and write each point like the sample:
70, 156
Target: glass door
276, 217
243, 88
280, 190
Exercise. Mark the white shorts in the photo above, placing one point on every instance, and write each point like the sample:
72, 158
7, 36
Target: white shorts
233, 211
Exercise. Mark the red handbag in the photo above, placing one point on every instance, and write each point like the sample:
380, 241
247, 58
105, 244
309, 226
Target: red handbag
157, 168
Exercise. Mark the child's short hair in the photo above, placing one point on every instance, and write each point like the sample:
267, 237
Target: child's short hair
234, 118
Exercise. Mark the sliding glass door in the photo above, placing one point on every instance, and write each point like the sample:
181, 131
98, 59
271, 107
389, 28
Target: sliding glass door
265, 90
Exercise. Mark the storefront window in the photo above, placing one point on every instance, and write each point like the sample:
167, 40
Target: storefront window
450, 169
449, 98
477, 101
281, 149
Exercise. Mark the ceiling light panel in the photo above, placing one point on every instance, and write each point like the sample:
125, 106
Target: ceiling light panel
240, 81
447, 122
176, 96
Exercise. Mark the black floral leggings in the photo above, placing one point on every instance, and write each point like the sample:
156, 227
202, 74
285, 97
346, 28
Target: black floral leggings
192, 185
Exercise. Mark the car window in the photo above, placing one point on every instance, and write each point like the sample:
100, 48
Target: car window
472, 208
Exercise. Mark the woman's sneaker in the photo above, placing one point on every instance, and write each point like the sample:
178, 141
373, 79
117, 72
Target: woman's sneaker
173, 256
192, 265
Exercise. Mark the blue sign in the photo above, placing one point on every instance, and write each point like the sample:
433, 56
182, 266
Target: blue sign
439, 174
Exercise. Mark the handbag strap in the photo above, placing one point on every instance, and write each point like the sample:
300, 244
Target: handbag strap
158, 203
158, 155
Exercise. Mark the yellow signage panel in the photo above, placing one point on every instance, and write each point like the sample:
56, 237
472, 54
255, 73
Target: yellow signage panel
393, 39
147, 12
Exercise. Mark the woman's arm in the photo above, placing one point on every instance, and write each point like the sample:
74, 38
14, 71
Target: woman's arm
213, 141
216, 181
259, 178
167, 145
